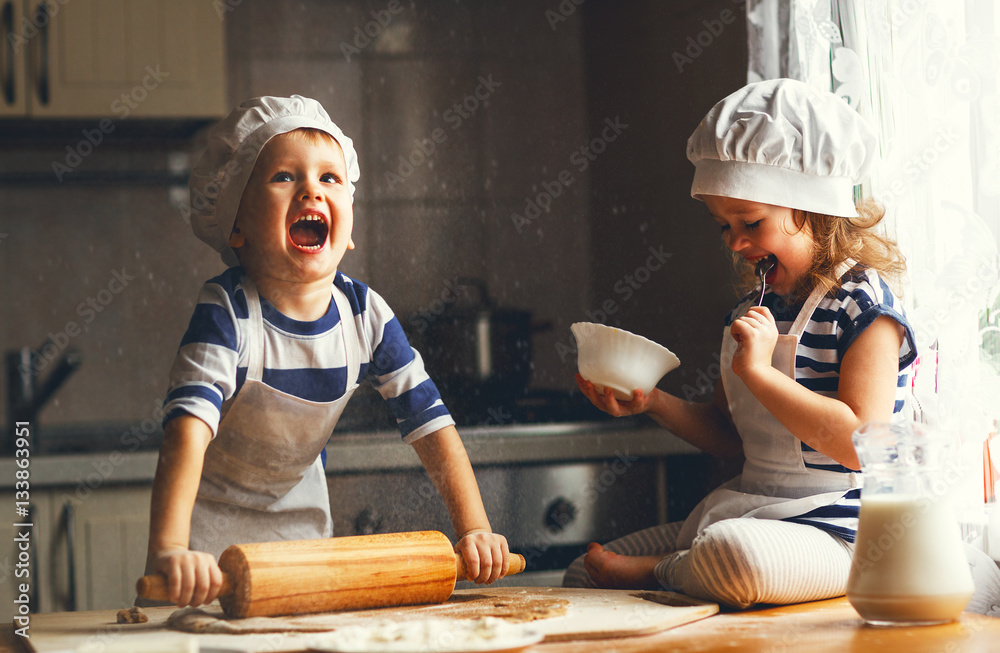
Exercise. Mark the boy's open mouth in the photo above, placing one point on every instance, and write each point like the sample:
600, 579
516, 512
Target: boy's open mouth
309, 232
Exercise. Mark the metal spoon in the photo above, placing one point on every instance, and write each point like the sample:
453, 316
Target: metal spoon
764, 266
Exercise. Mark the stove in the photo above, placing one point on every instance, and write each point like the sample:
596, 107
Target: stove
549, 506
549, 511
473, 407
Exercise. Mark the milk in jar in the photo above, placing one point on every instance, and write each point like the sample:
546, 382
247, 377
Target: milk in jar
909, 564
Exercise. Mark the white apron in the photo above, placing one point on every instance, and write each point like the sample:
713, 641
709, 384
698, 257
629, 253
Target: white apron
775, 483
263, 479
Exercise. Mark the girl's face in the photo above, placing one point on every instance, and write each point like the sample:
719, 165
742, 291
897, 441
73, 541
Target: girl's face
754, 230
295, 218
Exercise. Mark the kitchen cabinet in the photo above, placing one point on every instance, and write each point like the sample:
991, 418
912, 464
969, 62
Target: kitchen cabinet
13, 60
88, 548
112, 58
22, 562
110, 532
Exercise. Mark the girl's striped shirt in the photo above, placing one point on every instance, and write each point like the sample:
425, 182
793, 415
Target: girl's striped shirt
834, 325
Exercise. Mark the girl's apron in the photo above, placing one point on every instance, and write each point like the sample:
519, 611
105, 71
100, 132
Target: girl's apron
775, 483
263, 479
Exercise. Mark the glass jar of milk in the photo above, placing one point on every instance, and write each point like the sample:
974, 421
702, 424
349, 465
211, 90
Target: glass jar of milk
909, 564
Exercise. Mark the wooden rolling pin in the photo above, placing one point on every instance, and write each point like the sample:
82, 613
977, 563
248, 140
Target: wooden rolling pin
339, 573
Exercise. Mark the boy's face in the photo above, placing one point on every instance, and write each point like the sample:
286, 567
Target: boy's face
295, 217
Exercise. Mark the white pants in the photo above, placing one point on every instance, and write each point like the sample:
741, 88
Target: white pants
743, 562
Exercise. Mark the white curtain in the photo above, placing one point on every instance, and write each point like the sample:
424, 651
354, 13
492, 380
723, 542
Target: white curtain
927, 73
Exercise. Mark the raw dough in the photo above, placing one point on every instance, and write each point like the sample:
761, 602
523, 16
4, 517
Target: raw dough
132, 616
513, 608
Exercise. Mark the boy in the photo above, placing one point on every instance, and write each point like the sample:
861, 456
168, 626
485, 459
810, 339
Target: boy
274, 350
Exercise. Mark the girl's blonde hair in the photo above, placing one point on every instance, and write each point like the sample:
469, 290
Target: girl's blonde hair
835, 240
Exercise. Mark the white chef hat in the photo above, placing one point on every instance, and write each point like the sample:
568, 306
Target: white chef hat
784, 143
221, 174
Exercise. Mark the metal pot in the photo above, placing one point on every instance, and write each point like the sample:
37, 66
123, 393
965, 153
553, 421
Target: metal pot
475, 348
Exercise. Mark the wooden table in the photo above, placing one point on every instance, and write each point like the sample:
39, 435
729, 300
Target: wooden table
817, 627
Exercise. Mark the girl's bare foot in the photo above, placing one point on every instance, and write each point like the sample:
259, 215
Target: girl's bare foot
613, 571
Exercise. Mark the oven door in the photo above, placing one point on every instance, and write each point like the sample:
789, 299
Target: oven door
549, 512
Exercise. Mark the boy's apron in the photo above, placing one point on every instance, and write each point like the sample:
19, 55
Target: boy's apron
263, 479
775, 483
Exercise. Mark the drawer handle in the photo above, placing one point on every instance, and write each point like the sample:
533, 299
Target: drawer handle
8, 28
69, 519
42, 17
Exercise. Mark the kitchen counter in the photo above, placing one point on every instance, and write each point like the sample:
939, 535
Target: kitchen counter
377, 451
91, 510
817, 627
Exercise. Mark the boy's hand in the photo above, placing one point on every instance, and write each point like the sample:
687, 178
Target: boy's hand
611, 405
756, 334
193, 577
486, 556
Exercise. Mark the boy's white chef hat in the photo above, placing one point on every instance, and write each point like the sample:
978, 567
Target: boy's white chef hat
221, 174
784, 143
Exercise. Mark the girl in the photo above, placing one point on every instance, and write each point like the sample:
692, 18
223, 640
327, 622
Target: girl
829, 349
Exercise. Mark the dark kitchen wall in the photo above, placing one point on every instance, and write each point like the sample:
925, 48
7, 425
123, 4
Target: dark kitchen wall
657, 263
460, 111
542, 151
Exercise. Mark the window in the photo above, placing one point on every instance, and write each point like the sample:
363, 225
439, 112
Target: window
927, 74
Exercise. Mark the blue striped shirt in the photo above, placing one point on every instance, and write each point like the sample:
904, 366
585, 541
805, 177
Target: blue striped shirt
303, 359
839, 518
833, 327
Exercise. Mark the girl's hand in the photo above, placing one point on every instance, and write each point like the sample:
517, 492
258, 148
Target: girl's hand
193, 577
609, 404
757, 334
486, 556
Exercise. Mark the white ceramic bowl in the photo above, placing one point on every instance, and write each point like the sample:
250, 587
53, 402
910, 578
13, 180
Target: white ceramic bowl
616, 359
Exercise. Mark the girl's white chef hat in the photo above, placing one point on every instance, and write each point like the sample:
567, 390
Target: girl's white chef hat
784, 143
221, 174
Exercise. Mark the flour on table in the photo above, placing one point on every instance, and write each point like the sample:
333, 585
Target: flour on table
439, 635
515, 608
